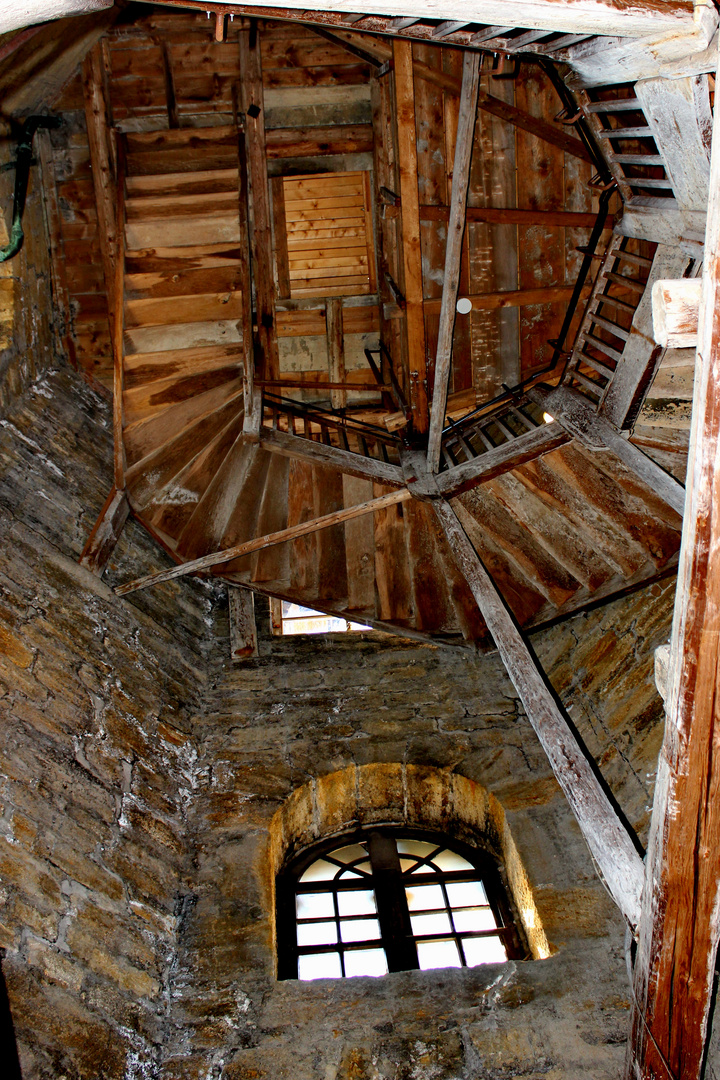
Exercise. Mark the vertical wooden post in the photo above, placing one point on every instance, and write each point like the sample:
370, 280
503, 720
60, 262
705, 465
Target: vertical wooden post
336, 349
103, 173
248, 341
453, 251
606, 835
118, 318
253, 106
243, 630
412, 254
679, 929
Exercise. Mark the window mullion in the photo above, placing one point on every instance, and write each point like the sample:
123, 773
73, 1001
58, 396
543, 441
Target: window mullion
393, 914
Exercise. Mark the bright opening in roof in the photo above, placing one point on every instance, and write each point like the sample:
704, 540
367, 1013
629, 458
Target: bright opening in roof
288, 618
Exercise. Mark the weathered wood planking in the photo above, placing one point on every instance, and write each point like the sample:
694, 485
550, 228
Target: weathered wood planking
412, 282
243, 630
674, 975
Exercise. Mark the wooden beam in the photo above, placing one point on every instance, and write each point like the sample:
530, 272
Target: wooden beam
508, 216
243, 629
103, 171
606, 835
502, 459
576, 414
674, 977
253, 106
535, 125
489, 301
316, 453
412, 254
453, 252
683, 229
106, 531
280, 243
117, 319
217, 558
248, 336
336, 350
675, 312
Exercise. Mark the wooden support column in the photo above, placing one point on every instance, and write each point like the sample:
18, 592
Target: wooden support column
105, 533
675, 312
101, 159
679, 929
453, 252
248, 344
412, 254
607, 837
336, 350
252, 104
243, 630
117, 320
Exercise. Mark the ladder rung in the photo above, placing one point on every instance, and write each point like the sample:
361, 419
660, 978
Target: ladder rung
483, 438
489, 33
594, 387
625, 133
641, 182
603, 347
629, 256
637, 159
505, 430
618, 331
447, 456
620, 305
628, 283
618, 105
564, 42
524, 420
590, 361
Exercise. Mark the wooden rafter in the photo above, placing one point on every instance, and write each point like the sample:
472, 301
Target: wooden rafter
217, 558
106, 531
453, 252
607, 837
679, 929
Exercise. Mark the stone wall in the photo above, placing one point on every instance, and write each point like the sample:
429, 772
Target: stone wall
97, 761
141, 775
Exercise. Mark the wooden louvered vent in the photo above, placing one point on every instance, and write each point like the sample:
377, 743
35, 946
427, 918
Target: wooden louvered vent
329, 237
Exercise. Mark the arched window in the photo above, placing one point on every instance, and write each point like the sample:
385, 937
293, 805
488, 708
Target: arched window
391, 900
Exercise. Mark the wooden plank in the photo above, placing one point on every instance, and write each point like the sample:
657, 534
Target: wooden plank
674, 977
535, 125
318, 141
243, 629
359, 547
453, 252
280, 237
103, 170
550, 294
272, 564
105, 533
248, 341
510, 216
606, 835
678, 114
676, 311
412, 284
336, 350
303, 529
315, 453
502, 459
267, 362
117, 306
576, 414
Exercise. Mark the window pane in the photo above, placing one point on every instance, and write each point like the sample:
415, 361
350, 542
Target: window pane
348, 874
349, 854
407, 865
466, 894
361, 902
365, 962
425, 897
431, 924
324, 933
319, 966
359, 930
315, 906
449, 860
320, 870
438, 954
474, 919
415, 847
483, 950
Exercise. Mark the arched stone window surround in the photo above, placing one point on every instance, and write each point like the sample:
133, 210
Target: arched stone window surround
414, 796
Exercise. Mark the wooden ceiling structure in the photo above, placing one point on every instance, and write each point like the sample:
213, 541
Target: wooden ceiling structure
260, 227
